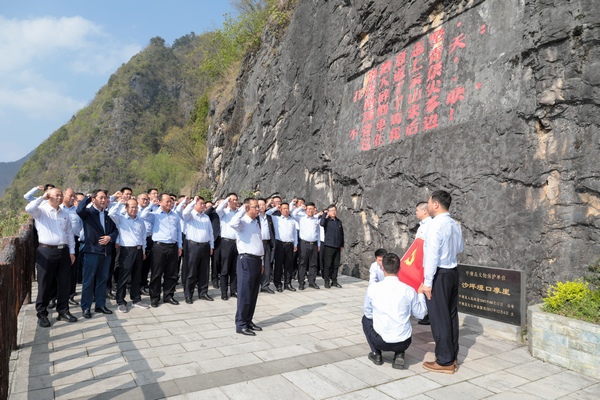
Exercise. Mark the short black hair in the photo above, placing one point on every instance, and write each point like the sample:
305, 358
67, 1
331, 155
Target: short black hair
276, 197
126, 188
163, 194
301, 199
380, 252
261, 199
79, 194
48, 186
332, 205
391, 263
310, 203
442, 197
201, 198
247, 200
231, 194
96, 191
151, 189
285, 204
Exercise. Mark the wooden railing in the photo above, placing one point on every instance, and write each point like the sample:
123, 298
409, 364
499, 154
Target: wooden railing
17, 268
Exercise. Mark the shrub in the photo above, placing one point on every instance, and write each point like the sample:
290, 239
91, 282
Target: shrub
574, 299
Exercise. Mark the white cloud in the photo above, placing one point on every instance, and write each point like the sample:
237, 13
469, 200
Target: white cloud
36, 103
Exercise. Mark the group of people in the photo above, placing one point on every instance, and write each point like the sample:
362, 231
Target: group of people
389, 303
118, 241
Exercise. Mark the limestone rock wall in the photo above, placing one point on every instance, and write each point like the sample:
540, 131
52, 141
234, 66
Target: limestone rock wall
373, 105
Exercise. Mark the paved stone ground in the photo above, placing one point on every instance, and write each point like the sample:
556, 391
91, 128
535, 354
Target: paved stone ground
312, 347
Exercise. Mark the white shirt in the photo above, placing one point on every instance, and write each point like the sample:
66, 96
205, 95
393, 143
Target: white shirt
423, 228
76, 223
132, 232
225, 215
389, 304
443, 242
286, 229
309, 226
166, 227
265, 232
197, 225
375, 273
29, 196
248, 234
53, 225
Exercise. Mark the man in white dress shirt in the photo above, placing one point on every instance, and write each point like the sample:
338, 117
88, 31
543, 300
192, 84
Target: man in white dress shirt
228, 250
443, 242
422, 214
376, 270
310, 242
387, 310
286, 233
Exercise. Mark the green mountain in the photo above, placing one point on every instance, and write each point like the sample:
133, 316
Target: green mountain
8, 170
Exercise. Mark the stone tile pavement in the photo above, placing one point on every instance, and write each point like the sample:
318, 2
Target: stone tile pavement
312, 347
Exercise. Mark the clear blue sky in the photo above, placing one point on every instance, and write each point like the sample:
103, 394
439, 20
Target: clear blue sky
55, 55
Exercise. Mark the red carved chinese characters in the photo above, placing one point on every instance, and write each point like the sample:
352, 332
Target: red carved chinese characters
436, 45
415, 89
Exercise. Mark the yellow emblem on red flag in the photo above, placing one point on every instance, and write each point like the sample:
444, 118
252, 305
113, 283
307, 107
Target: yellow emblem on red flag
411, 265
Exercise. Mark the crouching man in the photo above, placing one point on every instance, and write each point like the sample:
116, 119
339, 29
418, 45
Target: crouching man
387, 310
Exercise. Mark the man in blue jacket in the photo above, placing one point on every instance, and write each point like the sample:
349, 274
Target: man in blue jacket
100, 234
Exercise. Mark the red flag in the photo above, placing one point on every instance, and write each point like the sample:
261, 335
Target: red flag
411, 265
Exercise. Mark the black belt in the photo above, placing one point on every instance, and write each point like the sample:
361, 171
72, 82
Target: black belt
166, 244
227, 239
286, 243
251, 256
132, 247
50, 246
197, 243
306, 241
267, 241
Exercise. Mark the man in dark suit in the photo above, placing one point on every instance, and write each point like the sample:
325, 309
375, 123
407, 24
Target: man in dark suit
100, 234
268, 239
333, 246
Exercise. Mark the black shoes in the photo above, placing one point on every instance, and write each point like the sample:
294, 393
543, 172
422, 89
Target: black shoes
327, 285
253, 327
171, 300
377, 359
314, 286
398, 362
145, 291
52, 304
224, 297
288, 286
43, 321
279, 289
189, 300
103, 310
301, 286
110, 295
234, 295
245, 331
216, 284
424, 321
154, 303
206, 297
87, 314
66, 317
72, 301
267, 290
337, 285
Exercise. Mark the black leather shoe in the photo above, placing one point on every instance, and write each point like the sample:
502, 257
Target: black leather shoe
398, 362
327, 285
233, 295
206, 297
314, 286
253, 327
224, 297
103, 310
337, 285
171, 300
424, 321
216, 285
279, 289
43, 322
145, 291
189, 301
87, 313
73, 302
267, 290
245, 331
52, 303
376, 358
110, 295
301, 286
154, 304
289, 287
66, 317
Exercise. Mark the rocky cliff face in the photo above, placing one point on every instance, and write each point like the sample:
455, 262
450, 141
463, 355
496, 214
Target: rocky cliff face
373, 105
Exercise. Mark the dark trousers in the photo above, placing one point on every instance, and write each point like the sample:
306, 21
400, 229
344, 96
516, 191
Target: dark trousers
309, 254
331, 263
51, 265
73, 285
147, 264
284, 262
114, 266
248, 272
164, 270
95, 275
376, 342
182, 262
443, 315
197, 268
265, 279
130, 269
228, 258
214, 262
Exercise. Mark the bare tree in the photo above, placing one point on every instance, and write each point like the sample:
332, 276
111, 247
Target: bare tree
248, 6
